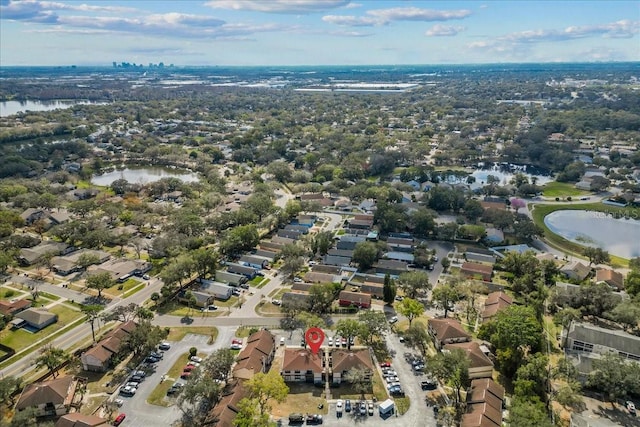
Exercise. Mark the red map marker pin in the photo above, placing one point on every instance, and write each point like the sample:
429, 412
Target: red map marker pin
314, 338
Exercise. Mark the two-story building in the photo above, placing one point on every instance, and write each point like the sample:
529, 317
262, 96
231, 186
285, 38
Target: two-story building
51, 398
447, 331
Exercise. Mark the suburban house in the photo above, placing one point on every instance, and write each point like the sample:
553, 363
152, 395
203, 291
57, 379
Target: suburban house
295, 298
342, 360
223, 414
484, 404
297, 228
376, 290
218, 290
29, 256
447, 331
390, 267
202, 299
610, 277
76, 419
121, 269
269, 255
317, 277
400, 256
37, 318
347, 298
480, 255
587, 339
51, 398
336, 260
480, 366
474, 270
231, 278
495, 302
256, 356
575, 270
98, 357
349, 242
254, 261
67, 264
11, 308
50, 217
248, 272
302, 365
400, 244
565, 292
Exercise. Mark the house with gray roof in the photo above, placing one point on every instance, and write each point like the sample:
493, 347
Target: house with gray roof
37, 318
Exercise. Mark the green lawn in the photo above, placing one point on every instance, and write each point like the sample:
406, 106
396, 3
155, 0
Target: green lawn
6, 293
48, 296
120, 288
562, 189
263, 282
20, 338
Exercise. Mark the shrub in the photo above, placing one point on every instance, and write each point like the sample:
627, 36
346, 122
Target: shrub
193, 351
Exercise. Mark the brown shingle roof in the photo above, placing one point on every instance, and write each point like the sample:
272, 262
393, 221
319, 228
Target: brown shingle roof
486, 390
474, 267
343, 360
59, 391
477, 358
7, 307
495, 302
296, 359
610, 277
448, 329
480, 415
226, 410
77, 419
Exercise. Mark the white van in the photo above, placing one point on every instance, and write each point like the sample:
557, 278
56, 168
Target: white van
281, 340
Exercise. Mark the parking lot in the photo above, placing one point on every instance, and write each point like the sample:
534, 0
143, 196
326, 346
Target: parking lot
138, 411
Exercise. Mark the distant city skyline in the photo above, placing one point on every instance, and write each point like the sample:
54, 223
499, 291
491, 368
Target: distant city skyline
316, 32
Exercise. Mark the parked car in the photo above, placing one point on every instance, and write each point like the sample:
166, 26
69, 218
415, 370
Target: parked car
339, 407
393, 320
282, 341
330, 341
119, 419
297, 280
276, 302
236, 292
212, 307
385, 364
157, 354
344, 342
146, 277
185, 375
175, 388
236, 346
631, 407
296, 418
133, 384
363, 408
399, 298
314, 419
188, 368
196, 359
370, 406
150, 359
347, 405
118, 402
428, 384
128, 391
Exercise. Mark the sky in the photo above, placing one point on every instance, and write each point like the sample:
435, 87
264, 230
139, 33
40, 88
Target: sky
316, 32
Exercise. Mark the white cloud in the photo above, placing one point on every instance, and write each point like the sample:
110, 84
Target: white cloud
377, 17
440, 30
619, 29
350, 34
353, 5
279, 6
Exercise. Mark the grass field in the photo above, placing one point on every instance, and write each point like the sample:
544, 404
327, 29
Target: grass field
6, 293
562, 189
120, 288
540, 211
21, 338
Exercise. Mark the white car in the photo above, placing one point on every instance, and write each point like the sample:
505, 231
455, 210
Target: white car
393, 320
196, 359
339, 406
330, 341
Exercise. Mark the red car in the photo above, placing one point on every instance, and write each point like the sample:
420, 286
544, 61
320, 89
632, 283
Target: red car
185, 375
188, 368
385, 365
119, 419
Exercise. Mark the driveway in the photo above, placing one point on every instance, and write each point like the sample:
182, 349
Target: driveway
138, 411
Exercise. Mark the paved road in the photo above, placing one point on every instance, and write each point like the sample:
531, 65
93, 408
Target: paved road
81, 332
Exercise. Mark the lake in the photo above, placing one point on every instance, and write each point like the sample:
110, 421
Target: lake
618, 236
143, 175
9, 108
503, 172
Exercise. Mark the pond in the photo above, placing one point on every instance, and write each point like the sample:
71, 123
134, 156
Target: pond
143, 175
504, 172
9, 108
618, 236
